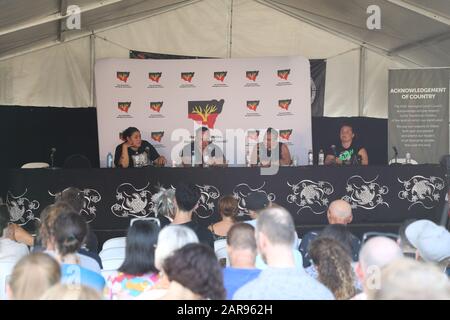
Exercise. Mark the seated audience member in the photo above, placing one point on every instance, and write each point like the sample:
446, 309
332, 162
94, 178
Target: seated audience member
10, 250
334, 266
33, 275
432, 242
375, 254
76, 199
71, 292
138, 272
275, 235
170, 239
164, 206
194, 274
47, 235
407, 248
241, 248
255, 203
407, 279
339, 212
340, 234
187, 197
70, 230
228, 209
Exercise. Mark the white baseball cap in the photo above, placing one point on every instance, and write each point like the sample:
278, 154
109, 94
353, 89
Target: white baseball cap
432, 241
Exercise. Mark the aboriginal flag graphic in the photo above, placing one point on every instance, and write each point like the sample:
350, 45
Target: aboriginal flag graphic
252, 105
286, 134
155, 76
284, 104
205, 112
157, 136
283, 74
220, 75
251, 75
122, 75
156, 106
187, 76
124, 106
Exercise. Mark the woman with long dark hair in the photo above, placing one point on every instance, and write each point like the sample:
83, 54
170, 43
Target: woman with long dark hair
135, 152
138, 271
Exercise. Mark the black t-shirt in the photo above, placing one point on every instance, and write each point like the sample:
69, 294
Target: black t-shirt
346, 155
311, 236
264, 153
203, 234
188, 152
138, 158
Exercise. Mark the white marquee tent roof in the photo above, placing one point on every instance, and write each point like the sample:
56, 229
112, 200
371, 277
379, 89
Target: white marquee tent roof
414, 33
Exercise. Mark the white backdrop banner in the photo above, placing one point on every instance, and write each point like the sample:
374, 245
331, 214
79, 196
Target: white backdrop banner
167, 100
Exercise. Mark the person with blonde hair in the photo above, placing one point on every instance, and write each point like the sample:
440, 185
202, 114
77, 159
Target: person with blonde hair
170, 239
32, 275
408, 279
334, 267
71, 292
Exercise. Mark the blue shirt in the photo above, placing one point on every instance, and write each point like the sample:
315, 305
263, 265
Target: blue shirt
283, 284
234, 278
75, 274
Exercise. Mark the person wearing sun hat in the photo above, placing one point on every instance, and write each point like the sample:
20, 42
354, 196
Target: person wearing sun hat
432, 242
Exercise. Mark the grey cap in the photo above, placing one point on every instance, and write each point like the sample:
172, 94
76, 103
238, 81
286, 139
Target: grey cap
432, 241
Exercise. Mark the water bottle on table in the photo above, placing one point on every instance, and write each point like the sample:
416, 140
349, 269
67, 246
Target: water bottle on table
109, 160
408, 158
321, 157
310, 158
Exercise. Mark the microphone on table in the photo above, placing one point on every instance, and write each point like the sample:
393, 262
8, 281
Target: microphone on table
333, 149
52, 157
395, 155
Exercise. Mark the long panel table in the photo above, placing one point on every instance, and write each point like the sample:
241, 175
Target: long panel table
378, 194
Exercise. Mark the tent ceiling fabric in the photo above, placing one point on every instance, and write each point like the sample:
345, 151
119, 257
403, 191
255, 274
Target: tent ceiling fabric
62, 73
401, 28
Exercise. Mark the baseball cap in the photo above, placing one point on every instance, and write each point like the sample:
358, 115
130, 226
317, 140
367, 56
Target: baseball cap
432, 241
257, 201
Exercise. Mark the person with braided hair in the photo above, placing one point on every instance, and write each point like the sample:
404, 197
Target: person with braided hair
70, 230
333, 264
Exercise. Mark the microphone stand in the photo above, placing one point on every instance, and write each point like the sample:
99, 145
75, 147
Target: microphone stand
52, 160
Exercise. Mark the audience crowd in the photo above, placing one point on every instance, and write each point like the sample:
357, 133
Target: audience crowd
175, 257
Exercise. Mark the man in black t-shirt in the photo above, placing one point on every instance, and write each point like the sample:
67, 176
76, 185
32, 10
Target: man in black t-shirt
339, 213
187, 198
348, 151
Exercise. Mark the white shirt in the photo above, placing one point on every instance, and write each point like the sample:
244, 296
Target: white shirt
12, 251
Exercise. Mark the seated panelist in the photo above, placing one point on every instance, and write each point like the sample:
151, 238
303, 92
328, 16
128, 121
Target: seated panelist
135, 152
